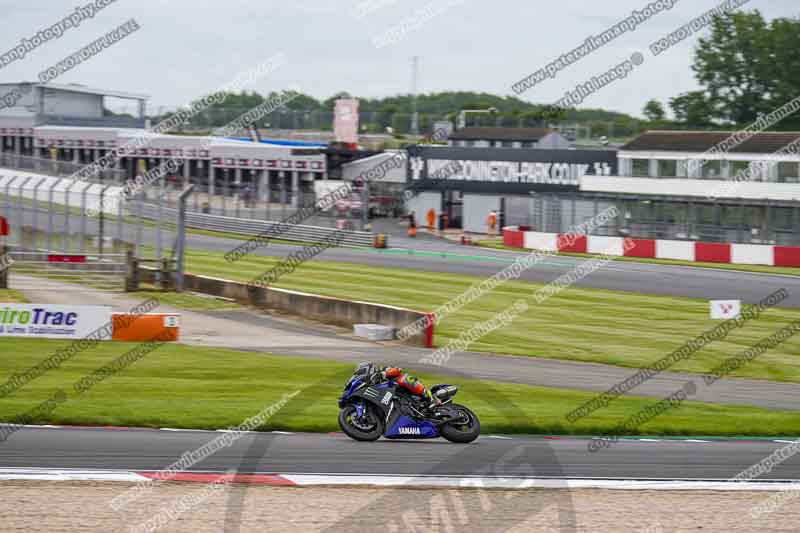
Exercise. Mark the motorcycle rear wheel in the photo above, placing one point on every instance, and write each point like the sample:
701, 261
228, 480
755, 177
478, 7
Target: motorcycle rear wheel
464, 433
375, 420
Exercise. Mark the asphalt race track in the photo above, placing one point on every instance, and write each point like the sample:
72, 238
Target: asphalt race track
303, 453
435, 255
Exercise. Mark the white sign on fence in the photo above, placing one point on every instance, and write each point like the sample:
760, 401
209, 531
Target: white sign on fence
725, 309
44, 321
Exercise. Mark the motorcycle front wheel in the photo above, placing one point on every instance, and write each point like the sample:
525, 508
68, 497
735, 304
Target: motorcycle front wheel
462, 433
368, 427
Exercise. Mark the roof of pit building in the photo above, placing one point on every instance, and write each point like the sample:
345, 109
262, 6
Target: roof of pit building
703, 141
500, 134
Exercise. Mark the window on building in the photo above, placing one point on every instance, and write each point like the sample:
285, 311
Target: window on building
640, 167
788, 172
667, 168
507, 144
712, 170
674, 213
782, 217
740, 167
527, 144
705, 213
753, 216
731, 215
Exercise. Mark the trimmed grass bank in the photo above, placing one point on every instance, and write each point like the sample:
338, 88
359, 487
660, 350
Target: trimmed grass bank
591, 325
191, 387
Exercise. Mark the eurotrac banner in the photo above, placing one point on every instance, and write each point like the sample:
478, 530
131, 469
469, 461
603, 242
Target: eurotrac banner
44, 321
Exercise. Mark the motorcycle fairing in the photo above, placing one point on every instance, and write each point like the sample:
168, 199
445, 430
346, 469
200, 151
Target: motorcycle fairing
406, 427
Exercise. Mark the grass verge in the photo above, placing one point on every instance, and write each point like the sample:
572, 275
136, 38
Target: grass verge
204, 388
590, 325
13, 297
760, 269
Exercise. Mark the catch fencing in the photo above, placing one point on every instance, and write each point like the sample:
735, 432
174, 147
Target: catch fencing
64, 216
100, 271
246, 226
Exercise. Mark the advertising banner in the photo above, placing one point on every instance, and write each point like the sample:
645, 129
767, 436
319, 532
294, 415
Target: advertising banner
44, 321
345, 122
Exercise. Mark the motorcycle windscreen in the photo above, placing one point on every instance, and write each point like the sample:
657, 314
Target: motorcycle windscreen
407, 428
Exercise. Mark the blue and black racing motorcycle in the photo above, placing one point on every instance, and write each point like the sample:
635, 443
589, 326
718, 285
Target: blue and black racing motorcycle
369, 408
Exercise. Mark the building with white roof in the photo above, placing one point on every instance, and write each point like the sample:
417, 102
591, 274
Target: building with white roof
68, 123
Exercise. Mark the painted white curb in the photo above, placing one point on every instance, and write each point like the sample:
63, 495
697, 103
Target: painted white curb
310, 480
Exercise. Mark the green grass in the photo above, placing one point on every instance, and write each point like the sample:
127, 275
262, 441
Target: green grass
592, 325
761, 269
192, 387
13, 297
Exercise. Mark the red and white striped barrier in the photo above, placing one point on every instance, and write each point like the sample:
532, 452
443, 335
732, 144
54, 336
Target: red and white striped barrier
706, 252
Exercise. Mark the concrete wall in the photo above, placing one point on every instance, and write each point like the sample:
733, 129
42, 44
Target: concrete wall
476, 210
335, 311
73, 104
692, 187
518, 211
350, 171
747, 254
421, 203
554, 141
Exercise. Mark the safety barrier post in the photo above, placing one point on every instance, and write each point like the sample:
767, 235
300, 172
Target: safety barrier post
166, 274
4, 257
132, 274
181, 237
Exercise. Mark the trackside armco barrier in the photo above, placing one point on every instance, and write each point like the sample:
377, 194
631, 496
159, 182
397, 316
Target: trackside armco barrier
324, 309
248, 226
726, 253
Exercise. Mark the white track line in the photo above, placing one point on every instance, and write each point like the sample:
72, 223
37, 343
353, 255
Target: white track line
49, 474
45, 474
529, 483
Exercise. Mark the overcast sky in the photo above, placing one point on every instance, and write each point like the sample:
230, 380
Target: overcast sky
188, 47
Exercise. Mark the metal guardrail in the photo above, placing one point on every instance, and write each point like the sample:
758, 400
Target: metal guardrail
247, 226
101, 271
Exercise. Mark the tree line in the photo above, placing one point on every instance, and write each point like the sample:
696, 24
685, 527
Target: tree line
746, 67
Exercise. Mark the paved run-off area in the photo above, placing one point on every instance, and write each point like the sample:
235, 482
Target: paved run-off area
47, 506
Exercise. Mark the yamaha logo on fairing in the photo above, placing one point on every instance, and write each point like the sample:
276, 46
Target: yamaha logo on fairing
409, 431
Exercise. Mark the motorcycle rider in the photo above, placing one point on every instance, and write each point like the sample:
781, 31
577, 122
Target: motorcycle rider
407, 381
